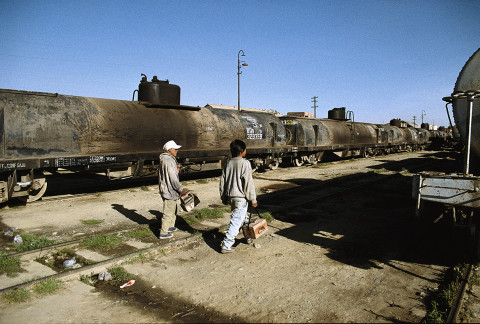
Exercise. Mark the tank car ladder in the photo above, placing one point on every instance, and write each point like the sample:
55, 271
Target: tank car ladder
351, 116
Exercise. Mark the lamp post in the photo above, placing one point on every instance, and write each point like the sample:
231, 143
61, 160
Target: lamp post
423, 114
238, 74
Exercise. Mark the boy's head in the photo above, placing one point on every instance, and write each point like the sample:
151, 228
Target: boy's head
237, 147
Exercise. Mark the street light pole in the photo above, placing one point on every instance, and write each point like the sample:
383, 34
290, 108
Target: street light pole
239, 66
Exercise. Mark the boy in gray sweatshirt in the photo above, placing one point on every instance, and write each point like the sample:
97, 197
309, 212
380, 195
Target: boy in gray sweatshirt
237, 188
170, 188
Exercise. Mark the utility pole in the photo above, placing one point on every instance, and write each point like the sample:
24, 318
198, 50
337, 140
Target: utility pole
414, 118
423, 114
314, 100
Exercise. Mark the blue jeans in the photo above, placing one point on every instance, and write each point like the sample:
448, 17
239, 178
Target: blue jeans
239, 208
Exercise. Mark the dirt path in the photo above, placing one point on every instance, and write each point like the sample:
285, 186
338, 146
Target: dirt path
356, 258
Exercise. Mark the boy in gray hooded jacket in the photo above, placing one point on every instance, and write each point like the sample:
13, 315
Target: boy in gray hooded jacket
170, 188
237, 188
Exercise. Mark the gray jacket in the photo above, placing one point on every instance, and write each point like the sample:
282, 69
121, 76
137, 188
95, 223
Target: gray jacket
168, 182
237, 181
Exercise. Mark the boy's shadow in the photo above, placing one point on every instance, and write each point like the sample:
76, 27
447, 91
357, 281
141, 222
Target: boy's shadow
180, 223
214, 237
153, 224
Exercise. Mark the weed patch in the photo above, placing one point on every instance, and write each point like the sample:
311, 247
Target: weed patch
440, 303
145, 188
141, 258
204, 213
102, 242
32, 242
120, 275
16, 296
267, 216
202, 181
92, 221
319, 165
139, 233
9, 266
404, 171
47, 287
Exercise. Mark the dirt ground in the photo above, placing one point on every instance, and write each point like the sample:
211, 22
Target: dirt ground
346, 262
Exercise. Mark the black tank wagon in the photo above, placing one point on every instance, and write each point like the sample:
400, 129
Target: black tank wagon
46, 131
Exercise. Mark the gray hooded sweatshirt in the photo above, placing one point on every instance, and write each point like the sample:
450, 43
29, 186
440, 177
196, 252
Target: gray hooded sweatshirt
168, 182
237, 180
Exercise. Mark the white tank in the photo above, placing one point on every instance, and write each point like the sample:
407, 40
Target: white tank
469, 79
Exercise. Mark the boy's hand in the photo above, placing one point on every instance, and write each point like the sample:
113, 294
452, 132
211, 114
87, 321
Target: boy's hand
254, 205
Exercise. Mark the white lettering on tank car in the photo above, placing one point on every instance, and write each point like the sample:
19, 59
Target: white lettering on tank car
64, 162
254, 128
97, 159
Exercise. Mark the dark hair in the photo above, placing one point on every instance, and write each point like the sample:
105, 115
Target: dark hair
237, 147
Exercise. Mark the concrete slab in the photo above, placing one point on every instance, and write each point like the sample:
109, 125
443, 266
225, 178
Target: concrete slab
32, 270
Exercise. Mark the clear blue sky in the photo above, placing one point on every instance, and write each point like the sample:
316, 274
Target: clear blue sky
381, 59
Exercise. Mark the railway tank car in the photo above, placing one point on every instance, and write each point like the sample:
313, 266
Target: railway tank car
121, 139
459, 193
45, 131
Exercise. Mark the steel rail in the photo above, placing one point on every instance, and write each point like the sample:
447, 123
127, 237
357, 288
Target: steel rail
455, 309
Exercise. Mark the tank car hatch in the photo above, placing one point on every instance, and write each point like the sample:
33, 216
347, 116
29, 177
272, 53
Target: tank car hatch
158, 92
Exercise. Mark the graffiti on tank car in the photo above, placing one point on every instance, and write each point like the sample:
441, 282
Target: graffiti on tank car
253, 134
289, 122
97, 159
254, 129
12, 165
70, 162
65, 162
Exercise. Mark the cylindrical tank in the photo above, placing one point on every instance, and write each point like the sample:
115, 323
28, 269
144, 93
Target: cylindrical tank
394, 134
337, 113
469, 79
158, 92
49, 125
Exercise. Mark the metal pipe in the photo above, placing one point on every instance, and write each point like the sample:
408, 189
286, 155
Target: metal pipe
469, 134
448, 114
238, 74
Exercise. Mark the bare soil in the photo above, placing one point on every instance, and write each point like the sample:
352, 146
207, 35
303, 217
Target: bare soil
352, 257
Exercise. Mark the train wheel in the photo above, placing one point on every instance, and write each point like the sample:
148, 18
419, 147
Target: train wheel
298, 161
364, 153
39, 187
273, 164
312, 159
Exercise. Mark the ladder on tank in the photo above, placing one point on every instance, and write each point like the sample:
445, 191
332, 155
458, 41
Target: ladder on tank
351, 116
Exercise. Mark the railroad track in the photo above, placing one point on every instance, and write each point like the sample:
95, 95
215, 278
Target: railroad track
460, 296
304, 195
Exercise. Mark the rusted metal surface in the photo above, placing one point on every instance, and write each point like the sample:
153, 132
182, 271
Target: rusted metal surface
66, 127
454, 190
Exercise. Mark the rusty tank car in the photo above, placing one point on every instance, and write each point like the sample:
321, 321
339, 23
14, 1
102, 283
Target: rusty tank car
121, 139
44, 131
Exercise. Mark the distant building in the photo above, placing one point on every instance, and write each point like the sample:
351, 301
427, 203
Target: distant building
300, 114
